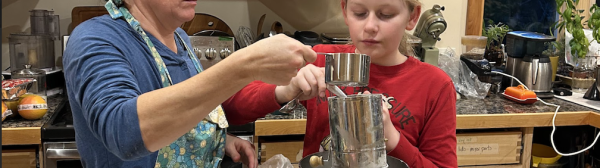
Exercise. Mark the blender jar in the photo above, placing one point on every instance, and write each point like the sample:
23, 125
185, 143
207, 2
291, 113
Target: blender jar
34, 50
473, 47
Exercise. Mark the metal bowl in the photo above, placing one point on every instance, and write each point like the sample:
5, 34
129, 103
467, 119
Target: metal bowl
347, 69
305, 162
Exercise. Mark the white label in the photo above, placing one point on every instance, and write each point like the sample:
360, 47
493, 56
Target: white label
477, 149
466, 139
33, 106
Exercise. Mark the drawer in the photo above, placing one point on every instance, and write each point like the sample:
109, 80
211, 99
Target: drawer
290, 149
19, 158
489, 148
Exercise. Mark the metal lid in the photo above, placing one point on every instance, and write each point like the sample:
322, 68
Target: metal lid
28, 71
531, 36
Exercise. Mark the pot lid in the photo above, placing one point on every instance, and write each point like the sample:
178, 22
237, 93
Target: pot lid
28, 71
531, 36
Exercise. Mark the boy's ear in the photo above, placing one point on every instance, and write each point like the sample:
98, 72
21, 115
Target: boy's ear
414, 18
344, 3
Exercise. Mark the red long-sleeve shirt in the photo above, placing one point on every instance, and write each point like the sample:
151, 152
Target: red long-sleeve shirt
420, 97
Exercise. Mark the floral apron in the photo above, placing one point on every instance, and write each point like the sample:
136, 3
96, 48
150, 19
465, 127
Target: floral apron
201, 147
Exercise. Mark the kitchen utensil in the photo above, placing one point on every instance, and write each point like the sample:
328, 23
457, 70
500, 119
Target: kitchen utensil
244, 36
347, 69
272, 33
203, 21
429, 28
290, 106
543, 154
336, 90
39, 85
308, 37
520, 95
34, 50
277, 27
593, 93
518, 45
260, 25
336, 36
356, 128
44, 22
535, 71
473, 48
314, 161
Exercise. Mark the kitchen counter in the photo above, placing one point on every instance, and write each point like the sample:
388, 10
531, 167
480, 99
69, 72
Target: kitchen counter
53, 103
494, 111
20, 131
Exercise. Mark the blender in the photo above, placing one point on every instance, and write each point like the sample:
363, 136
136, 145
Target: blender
473, 48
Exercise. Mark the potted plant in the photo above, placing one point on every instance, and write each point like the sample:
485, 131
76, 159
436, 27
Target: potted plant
554, 51
582, 62
495, 34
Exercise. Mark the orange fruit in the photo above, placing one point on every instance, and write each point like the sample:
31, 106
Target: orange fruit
4, 108
32, 107
13, 106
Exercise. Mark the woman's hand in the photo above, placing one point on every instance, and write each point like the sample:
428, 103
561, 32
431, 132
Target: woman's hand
239, 149
310, 80
276, 60
391, 133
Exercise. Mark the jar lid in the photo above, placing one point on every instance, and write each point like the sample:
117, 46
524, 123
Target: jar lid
28, 71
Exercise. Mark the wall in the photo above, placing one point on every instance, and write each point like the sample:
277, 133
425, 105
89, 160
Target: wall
314, 15
326, 16
236, 13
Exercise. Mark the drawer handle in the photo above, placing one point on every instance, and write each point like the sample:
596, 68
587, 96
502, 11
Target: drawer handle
62, 154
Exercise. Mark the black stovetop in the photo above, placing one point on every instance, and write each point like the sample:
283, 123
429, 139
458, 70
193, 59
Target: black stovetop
60, 125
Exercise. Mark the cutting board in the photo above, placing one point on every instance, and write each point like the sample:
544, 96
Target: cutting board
82, 13
577, 98
204, 21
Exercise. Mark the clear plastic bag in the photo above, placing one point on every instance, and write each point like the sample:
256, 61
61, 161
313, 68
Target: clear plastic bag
465, 81
277, 161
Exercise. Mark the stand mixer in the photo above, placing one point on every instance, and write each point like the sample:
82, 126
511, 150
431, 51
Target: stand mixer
431, 25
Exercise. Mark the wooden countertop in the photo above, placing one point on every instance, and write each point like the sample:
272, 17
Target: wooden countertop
464, 121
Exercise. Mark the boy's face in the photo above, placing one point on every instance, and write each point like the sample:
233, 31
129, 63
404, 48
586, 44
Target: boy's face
377, 26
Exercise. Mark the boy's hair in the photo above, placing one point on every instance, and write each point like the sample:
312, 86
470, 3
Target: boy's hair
404, 47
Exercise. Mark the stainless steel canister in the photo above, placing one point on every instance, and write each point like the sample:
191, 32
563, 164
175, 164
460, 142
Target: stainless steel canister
356, 127
347, 69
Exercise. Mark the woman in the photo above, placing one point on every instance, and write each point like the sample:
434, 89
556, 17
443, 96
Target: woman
420, 100
139, 99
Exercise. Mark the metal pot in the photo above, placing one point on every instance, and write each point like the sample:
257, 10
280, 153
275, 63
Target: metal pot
347, 69
306, 161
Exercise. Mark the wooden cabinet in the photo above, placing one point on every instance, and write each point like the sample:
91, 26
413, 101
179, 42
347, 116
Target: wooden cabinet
19, 158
